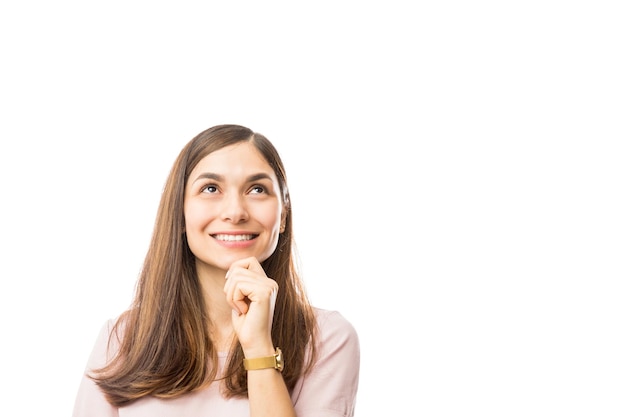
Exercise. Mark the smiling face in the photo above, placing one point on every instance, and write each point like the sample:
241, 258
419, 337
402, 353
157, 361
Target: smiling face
233, 207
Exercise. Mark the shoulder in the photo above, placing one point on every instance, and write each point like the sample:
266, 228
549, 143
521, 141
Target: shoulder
331, 318
107, 343
330, 385
335, 332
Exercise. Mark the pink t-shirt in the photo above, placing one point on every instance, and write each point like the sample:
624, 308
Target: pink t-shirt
328, 391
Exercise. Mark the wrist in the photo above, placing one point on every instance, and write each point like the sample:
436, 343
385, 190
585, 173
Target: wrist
265, 349
273, 361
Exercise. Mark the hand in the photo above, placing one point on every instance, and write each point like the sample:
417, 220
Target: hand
252, 295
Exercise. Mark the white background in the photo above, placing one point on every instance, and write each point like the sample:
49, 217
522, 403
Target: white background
456, 169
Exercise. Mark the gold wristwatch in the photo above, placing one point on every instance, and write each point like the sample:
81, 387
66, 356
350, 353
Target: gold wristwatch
275, 361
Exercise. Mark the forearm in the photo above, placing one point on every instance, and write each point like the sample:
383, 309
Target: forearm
268, 394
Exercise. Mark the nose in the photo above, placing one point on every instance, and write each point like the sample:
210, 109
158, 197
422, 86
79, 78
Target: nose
234, 208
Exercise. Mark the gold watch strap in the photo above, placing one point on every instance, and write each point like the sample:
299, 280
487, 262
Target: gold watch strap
274, 361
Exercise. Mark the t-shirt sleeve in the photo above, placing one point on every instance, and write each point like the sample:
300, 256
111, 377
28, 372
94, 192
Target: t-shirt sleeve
90, 401
331, 387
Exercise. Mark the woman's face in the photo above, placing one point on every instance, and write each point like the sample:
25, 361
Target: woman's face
233, 207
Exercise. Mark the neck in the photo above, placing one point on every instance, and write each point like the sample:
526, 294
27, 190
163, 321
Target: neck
218, 310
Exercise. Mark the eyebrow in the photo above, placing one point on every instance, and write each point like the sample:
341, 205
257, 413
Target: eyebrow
217, 177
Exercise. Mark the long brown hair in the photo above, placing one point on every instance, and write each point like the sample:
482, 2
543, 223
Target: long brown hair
165, 349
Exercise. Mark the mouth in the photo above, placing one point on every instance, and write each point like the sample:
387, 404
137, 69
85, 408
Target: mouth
234, 238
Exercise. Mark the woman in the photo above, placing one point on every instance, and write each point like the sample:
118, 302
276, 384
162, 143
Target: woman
220, 324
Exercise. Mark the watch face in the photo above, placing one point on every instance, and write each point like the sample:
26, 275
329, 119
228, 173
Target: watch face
279, 359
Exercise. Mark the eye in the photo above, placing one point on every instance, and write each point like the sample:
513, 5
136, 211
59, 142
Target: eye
209, 189
257, 189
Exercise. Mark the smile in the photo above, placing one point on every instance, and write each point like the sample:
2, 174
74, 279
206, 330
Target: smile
234, 238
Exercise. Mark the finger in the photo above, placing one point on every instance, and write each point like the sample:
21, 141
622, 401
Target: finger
234, 297
239, 285
240, 302
250, 263
243, 289
243, 270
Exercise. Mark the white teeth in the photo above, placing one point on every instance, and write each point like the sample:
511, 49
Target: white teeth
233, 238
